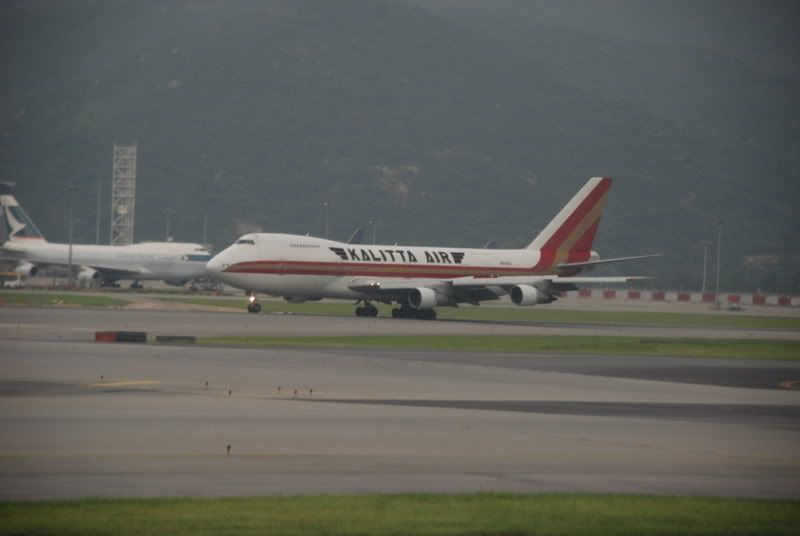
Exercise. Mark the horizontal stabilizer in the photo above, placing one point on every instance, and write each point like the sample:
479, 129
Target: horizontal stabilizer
534, 280
599, 280
598, 262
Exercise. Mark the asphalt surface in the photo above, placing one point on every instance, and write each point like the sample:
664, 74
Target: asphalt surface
79, 324
724, 372
91, 419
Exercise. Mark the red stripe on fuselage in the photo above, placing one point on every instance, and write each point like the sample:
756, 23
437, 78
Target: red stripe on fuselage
340, 269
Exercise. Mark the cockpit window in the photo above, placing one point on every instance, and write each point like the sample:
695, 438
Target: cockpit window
245, 241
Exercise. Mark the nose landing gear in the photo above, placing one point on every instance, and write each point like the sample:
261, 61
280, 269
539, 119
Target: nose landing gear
252, 305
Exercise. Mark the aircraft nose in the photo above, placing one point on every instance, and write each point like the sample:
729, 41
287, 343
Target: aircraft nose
215, 265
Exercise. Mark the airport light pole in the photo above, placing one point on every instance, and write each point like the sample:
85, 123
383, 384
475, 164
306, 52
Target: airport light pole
719, 255
69, 190
97, 221
374, 224
168, 212
327, 216
705, 244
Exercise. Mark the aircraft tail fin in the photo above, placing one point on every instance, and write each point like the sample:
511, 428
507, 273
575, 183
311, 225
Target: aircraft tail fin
569, 236
15, 223
356, 237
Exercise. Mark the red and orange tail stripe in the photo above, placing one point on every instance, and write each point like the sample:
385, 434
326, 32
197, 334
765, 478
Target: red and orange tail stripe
569, 237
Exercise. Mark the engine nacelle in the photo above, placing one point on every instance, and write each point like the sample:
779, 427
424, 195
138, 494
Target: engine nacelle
528, 295
27, 269
176, 282
427, 298
88, 277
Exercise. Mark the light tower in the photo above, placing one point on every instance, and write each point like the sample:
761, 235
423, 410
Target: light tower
123, 194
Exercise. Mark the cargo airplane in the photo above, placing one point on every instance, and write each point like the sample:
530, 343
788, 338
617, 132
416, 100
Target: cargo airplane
175, 263
301, 268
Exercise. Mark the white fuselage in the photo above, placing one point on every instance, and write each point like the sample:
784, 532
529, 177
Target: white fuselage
309, 267
417, 278
168, 261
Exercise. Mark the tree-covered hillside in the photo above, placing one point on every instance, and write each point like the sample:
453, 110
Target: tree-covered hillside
449, 122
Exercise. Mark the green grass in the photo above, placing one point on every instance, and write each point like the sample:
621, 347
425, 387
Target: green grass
232, 303
60, 298
597, 345
620, 317
542, 314
469, 514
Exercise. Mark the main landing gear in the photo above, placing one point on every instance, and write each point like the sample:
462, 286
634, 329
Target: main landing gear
252, 305
367, 310
404, 311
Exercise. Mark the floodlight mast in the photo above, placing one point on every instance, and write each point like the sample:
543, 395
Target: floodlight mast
123, 194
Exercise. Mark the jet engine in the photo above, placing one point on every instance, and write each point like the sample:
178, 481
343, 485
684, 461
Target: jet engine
528, 295
27, 269
176, 282
427, 298
88, 277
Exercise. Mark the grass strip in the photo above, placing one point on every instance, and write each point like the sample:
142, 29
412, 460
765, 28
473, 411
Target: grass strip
587, 344
60, 298
409, 514
528, 314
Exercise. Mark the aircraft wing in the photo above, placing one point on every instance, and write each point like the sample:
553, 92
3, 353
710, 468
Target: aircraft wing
533, 280
475, 289
106, 273
392, 285
115, 274
398, 289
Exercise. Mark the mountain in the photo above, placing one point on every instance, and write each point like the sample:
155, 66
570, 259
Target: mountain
448, 122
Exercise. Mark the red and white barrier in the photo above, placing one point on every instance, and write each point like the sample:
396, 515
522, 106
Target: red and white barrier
672, 296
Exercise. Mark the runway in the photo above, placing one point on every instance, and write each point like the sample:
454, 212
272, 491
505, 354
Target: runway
376, 420
79, 324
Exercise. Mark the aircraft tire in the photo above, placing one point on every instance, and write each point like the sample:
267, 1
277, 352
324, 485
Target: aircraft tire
402, 312
426, 314
254, 308
368, 311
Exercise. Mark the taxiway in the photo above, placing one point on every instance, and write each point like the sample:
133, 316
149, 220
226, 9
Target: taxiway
92, 419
